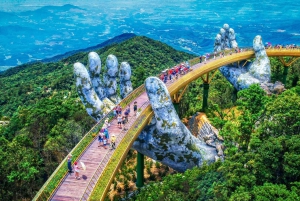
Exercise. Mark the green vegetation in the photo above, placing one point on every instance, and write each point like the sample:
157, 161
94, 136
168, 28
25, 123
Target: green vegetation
47, 118
262, 146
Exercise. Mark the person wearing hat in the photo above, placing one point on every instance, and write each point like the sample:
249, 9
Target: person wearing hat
113, 141
106, 124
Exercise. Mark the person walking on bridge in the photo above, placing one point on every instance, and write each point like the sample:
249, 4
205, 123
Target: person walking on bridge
77, 170
69, 163
113, 141
135, 108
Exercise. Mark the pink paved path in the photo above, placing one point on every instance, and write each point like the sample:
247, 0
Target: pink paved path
73, 189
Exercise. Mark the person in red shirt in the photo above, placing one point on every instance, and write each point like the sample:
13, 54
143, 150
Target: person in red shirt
170, 74
162, 77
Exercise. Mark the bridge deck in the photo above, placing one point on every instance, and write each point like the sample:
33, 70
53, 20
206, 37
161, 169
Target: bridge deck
73, 189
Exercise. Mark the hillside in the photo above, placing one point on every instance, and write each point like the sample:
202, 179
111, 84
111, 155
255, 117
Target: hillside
25, 84
46, 116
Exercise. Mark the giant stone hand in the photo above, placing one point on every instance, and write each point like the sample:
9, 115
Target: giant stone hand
225, 39
167, 139
100, 97
258, 71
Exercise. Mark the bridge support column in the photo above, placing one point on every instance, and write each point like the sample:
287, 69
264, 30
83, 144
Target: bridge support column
205, 96
176, 106
285, 73
140, 170
234, 95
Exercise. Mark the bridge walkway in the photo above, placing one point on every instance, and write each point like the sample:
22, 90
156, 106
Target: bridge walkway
96, 158
73, 189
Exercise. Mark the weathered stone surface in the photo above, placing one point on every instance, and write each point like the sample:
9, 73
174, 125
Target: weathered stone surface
232, 40
110, 78
167, 139
270, 88
87, 94
94, 69
257, 72
97, 97
125, 82
260, 68
200, 126
225, 39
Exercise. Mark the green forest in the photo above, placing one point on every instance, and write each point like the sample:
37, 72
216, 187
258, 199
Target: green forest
261, 136
47, 119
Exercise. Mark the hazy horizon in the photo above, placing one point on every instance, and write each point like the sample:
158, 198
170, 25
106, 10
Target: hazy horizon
33, 30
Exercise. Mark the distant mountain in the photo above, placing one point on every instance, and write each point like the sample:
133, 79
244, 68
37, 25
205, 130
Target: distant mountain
51, 9
115, 40
27, 83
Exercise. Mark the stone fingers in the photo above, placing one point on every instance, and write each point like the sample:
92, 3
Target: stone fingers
125, 82
165, 113
94, 68
174, 144
94, 106
110, 78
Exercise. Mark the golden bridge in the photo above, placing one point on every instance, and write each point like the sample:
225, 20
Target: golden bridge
103, 164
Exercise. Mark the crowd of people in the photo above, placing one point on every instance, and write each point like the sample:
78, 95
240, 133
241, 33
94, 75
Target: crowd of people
103, 136
280, 46
175, 72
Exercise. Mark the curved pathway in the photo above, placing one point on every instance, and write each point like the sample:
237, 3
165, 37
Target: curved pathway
99, 161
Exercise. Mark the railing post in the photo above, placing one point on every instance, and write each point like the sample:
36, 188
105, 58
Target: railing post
205, 96
285, 73
140, 170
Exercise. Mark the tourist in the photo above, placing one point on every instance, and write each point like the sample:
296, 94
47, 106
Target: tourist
69, 163
77, 170
173, 73
119, 121
119, 109
128, 110
165, 78
106, 123
124, 122
106, 134
104, 142
162, 76
115, 112
100, 138
135, 108
126, 116
170, 75
113, 141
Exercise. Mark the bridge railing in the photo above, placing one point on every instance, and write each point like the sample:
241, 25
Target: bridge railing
98, 190
97, 185
108, 172
94, 186
60, 173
